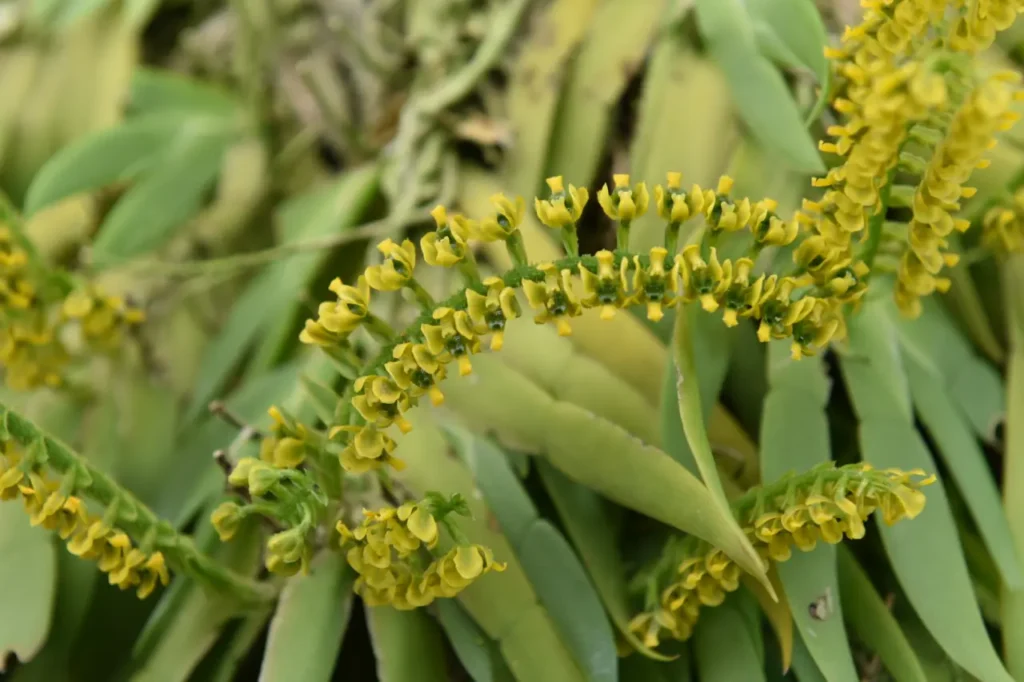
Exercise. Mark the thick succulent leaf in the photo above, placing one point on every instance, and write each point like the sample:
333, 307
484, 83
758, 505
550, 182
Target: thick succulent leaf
590, 524
562, 586
724, 647
407, 645
873, 622
967, 466
504, 605
29, 572
477, 652
762, 98
309, 623
794, 437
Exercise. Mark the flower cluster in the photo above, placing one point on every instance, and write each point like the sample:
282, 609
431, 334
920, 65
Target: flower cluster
384, 549
286, 496
826, 504
52, 506
984, 112
1004, 226
979, 21
34, 315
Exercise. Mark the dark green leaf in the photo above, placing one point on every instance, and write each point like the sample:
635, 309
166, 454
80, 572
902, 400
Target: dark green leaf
724, 648
477, 652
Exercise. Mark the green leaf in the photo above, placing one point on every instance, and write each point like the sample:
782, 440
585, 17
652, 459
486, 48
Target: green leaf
973, 385
873, 367
639, 669
926, 555
309, 623
724, 648
188, 620
797, 25
762, 98
504, 605
804, 667
28, 571
589, 522
407, 645
322, 397
477, 652
161, 90
561, 584
109, 156
278, 288
691, 412
795, 437
968, 467
164, 199
598, 454
874, 623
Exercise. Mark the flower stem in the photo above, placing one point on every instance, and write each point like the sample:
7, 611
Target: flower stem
132, 515
423, 296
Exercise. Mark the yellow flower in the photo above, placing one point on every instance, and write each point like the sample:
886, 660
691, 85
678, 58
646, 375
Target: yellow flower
314, 333
90, 540
554, 297
453, 338
705, 281
608, 287
226, 518
153, 571
491, 312
743, 298
623, 203
112, 554
288, 552
416, 371
346, 314
654, 285
397, 268
506, 220
102, 318
288, 442
813, 330
446, 246
420, 523
381, 403
671, 200
126, 573
464, 564
563, 208
368, 448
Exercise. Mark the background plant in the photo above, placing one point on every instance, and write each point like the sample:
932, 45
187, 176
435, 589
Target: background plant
184, 181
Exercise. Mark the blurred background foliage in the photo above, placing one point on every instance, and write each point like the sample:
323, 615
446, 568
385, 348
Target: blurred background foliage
221, 161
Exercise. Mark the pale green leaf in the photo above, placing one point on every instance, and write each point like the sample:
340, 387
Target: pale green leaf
967, 466
309, 623
797, 25
475, 650
28, 570
762, 98
407, 645
163, 90
590, 524
724, 647
874, 623
927, 557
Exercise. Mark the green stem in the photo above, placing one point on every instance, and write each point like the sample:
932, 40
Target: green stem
468, 270
876, 223
423, 296
517, 250
622, 236
133, 516
381, 330
570, 242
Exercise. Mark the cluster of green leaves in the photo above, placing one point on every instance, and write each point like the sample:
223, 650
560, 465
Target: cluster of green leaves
167, 167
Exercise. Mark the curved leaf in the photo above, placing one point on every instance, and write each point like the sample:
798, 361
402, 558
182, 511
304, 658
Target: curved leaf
724, 648
162, 201
759, 91
475, 650
407, 644
309, 623
162, 90
968, 467
589, 523
797, 25
874, 623
795, 437
28, 569
106, 157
